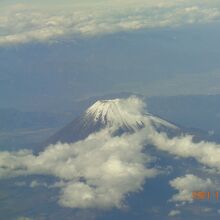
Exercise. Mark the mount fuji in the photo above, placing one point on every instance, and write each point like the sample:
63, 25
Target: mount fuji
118, 115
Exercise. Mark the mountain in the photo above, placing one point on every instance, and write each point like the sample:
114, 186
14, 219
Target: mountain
119, 115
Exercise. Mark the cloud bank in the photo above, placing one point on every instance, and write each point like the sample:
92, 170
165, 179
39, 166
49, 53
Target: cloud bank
206, 153
102, 170
98, 172
28, 23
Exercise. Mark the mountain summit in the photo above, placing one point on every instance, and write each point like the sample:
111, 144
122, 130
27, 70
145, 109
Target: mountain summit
128, 114
119, 115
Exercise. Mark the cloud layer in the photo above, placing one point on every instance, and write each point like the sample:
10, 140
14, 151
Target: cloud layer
97, 172
102, 170
27, 23
206, 153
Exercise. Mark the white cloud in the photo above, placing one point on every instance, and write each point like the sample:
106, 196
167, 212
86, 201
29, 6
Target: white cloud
26, 23
174, 213
188, 184
207, 153
97, 172
36, 183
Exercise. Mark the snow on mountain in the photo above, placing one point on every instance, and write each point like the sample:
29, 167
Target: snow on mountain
119, 115
124, 113
116, 113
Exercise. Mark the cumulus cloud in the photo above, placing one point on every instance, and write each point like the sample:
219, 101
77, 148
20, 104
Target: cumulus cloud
207, 153
174, 213
36, 183
97, 172
188, 184
26, 23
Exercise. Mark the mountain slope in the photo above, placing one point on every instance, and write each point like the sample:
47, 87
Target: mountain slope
119, 115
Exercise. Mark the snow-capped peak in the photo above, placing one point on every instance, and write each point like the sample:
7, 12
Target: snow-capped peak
118, 115
124, 113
